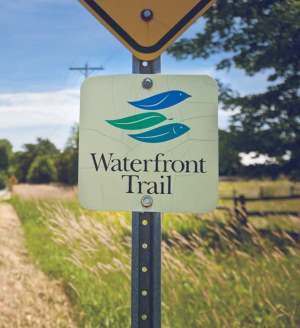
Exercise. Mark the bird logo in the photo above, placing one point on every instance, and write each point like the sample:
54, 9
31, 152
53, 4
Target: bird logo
152, 118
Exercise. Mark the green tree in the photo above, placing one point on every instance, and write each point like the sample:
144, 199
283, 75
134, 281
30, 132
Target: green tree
67, 167
257, 36
67, 164
228, 154
24, 159
5, 161
3, 180
5, 155
42, 170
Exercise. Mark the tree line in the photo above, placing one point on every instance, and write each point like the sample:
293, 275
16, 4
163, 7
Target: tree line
41, 162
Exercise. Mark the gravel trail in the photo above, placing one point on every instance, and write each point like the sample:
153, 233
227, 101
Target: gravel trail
28, 298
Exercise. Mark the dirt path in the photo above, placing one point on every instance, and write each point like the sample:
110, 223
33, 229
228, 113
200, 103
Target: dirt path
27, 297
27, 191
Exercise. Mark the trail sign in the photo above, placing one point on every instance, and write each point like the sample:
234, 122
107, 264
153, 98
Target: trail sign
147, 28
149, 142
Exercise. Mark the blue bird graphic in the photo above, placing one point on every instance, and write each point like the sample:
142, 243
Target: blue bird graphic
162, 134
161, 101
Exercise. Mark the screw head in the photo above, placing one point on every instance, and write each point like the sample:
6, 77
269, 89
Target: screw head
147, 201
147, 83
144, 317
147, 14
144, 292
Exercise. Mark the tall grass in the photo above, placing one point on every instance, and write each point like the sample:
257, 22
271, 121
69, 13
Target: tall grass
214, 274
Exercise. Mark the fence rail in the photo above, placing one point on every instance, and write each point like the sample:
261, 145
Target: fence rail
264, 198
260, 213
273, 213
264, 194
240, 208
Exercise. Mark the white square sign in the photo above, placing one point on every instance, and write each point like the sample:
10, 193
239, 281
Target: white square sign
149, 149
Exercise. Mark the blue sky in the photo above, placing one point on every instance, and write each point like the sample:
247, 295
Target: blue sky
41, 39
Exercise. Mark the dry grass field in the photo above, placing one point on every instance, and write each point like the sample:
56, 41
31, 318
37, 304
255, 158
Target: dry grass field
216, 272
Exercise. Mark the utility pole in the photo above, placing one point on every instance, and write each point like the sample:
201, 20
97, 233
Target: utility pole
86, 69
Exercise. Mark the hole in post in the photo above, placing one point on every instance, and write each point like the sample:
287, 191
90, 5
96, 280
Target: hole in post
144, 245
144, 269
145, 222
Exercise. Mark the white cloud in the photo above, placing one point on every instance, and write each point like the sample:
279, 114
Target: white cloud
38, 109
58, 134
27, 116
253, 158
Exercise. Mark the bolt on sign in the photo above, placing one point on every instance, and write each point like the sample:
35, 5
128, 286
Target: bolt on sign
145, 27
149, 142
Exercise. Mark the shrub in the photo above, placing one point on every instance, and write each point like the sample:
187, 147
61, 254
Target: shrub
5, 154
67, 167
42, 170
2, 181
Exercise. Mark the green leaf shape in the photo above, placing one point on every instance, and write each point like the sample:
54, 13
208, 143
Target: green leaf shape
138, 122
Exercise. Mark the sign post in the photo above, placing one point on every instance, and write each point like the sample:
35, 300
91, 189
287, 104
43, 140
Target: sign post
146, 248
148, 143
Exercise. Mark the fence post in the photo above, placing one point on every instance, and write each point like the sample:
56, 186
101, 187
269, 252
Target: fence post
240, 209
233, 193
292, 190
244, 218
235, 203
261, 192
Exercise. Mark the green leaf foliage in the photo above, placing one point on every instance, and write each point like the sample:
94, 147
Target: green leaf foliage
67, 162
3, 180
228, 154
67, 167
42, 170
257, 37
24, 159
5, 154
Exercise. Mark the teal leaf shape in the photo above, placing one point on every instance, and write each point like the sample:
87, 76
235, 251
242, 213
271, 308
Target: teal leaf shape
138, 122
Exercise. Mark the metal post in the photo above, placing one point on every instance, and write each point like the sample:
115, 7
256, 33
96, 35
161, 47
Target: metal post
146, 249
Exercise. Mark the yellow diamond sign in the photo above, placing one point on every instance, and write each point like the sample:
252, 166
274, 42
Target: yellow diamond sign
146, 27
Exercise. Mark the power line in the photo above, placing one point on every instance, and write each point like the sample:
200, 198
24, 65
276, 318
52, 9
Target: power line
86, 70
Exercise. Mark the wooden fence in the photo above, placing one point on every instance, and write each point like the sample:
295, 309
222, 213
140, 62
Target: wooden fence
241, 212
263, 195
